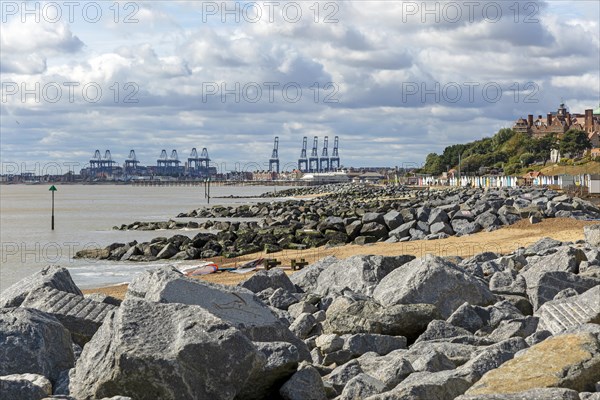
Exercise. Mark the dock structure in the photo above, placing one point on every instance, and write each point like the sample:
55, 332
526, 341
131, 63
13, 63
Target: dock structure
303, 160
101, 165
313, 160
198, 165
274, 160
131, 164
334, 160
324, 159
168, 166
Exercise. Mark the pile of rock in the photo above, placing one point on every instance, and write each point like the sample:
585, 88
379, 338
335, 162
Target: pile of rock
524, 325
358, 190
339, 219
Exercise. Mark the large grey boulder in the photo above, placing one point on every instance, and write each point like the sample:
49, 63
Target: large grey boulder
362, 343
169, 351
303, 325
360, 274
508, 282
468, 317
570, 360
306, 278
432, 280
437, 215
403, 230
275, 278
351, 316
508, 215
24, 387
533, 394
342, 374
168, 251
393, 219
80, 315
443, 385
542, 245
361, 387
592, 235
501, 311
438, 329
329, 343
281, 363
430, 361
332, 223
306, 384
457, 353
441, 227
488, 220
32, 341
565, 258
235, 305
463, 227
51, 276
390, 369
282, 299
520, 327
374, 229
560, 315
491, 358
370, 217
544, 286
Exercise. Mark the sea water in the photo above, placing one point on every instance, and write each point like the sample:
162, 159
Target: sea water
84, 218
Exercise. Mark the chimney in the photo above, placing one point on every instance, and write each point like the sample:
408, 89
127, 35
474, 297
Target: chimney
568, 120
589, 120
530, 120
549, 119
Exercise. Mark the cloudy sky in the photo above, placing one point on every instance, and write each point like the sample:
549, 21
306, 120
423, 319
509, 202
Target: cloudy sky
395, 80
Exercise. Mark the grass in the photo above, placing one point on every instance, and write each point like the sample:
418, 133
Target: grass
592, 167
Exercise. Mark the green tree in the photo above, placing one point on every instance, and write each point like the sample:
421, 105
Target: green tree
502, 137
433, 164
527, 158
451, 153
472, 163
574, 142
544, 146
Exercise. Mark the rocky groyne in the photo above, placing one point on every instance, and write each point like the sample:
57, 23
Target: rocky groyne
347, 214
523, 325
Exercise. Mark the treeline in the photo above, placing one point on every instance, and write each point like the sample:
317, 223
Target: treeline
507, 149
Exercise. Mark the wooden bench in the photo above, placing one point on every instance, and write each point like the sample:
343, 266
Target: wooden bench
271, 263
296, 265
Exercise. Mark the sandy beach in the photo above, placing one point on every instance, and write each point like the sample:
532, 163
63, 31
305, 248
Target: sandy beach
503, 240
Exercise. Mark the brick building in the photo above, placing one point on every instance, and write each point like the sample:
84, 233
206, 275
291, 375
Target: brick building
561, 121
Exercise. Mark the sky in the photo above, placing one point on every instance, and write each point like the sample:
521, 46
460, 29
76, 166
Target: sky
394, 80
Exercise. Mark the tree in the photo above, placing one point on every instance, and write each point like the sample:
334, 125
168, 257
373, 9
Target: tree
574, 142
433, 164
451, 154
544, 146
502, 137
527, 158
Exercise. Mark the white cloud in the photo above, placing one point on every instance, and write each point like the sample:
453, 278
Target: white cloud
371, 53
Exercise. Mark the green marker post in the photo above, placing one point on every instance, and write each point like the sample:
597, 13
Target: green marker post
52, 189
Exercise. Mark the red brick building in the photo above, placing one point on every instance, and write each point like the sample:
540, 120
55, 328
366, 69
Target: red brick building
561, 121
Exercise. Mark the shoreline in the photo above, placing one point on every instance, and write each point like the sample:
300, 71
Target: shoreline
503, 240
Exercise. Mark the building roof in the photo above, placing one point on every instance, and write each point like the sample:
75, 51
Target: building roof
532, 174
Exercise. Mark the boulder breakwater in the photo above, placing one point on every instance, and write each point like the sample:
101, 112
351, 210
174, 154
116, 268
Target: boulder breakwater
522, 325
344, 214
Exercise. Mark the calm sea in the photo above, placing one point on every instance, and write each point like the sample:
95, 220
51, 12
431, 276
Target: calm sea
84, 217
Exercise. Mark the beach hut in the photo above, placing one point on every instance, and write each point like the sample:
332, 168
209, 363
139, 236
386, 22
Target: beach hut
564, 181
594, 184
